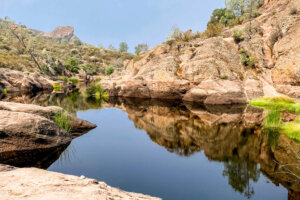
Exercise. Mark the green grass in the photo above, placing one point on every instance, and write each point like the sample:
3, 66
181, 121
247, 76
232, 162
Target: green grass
276, 103
62, 120
57, 87
273, 119
292, 130
275, 106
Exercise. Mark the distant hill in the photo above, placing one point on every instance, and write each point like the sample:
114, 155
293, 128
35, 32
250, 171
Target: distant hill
53, 50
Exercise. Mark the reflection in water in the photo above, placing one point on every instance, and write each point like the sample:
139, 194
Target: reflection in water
239, 175
40, 158
232, 135
228, 134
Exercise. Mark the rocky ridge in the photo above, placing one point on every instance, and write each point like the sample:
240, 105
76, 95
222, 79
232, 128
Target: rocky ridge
62, 32
210, 70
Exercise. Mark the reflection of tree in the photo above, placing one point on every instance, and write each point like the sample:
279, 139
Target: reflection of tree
239, 175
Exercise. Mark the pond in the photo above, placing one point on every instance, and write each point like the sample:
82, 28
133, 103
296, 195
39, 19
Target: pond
176, 150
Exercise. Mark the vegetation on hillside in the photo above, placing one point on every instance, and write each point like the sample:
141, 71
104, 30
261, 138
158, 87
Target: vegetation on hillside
23, 49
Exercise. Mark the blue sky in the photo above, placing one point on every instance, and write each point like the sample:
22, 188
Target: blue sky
113, 21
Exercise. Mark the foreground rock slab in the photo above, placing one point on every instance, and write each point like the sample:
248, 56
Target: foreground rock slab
36, 184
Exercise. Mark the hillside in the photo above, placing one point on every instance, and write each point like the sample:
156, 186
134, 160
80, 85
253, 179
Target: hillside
220, 66
52, 50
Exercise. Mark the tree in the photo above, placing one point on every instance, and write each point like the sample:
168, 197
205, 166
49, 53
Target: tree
111, 47
176, 33
20, 32
123, 47
141, 48
77, 42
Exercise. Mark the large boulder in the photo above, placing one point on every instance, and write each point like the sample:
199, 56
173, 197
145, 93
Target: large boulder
217, 92
29, 131
78, 125
21, 183
15, 81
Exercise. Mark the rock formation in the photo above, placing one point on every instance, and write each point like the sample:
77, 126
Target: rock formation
62, 32
31, 128
21, 183
210, 70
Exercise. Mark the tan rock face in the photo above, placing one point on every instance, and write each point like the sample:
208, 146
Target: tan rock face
22, 184
63, 32
201, 64
30, 130
15, 81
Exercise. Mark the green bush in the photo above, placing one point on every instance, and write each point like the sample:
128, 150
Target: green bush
97, 80
123, 47
61, 118
77, 42
247, 61
75, 81
63, 78
90, 69
237, 35
223, 76
96, 92
5, 91
141, 48
109, 70
213, 30
57, 87
73, 65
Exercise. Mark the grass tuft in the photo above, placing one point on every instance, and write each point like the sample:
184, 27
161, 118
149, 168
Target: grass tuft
62, 120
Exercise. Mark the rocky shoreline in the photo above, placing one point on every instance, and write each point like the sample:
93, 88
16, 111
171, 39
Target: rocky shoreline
28, 131
36, 184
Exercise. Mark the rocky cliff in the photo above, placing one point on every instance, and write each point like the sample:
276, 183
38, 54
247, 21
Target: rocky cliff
62, 32
209, 70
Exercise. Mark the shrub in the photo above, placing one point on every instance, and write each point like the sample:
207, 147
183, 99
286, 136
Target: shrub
141, 48
97, 80
75, 81
63, 78
294, 11
123, 47
275, 36
247, 61
237, 35
109, 70
96, 92
61, 118
77, 42
5, 91
57, 87
223, 76
175, 34
213, 30
73, 65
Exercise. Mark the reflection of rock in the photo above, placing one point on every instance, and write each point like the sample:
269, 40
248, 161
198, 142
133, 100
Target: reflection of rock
36, 184
29, 132
230, 134
40, 158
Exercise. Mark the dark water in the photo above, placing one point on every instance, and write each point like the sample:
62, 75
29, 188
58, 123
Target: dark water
177, 151
124, 156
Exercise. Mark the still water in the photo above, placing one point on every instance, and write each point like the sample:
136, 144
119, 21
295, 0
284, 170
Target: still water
176, 152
